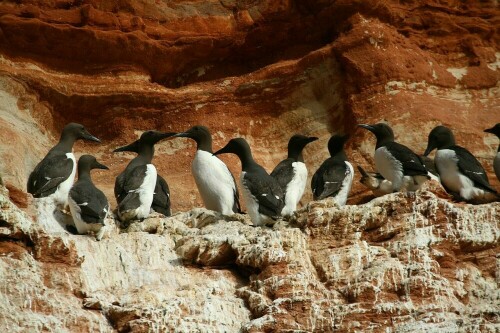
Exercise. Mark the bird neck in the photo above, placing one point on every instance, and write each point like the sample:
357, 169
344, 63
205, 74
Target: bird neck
65, 143
247, 161
296, 154
205, 144
383, 141
84, 173
146, 153
340, 155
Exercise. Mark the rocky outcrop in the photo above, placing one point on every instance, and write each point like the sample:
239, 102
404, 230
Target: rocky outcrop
403, 263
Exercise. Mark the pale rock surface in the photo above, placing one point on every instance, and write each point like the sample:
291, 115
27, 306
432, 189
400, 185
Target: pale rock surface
400, 263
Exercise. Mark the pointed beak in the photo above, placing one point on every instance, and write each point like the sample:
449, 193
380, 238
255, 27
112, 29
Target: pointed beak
98, 165
167, 135
312, 139
125, 148
490, 130
224, 150
362, 172
163, 135
87, 136
430, 147
366, 126
182, 135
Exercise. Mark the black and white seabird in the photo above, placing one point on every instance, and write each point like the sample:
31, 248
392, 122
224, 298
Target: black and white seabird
334, 177
262, 193
88, 205
55, 174
215, 182
460, 172
161, 197
496, 162
291, 173
381, 186
396, 162
135, 186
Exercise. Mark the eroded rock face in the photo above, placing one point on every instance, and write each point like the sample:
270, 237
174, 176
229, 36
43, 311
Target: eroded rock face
401, 263
264, 70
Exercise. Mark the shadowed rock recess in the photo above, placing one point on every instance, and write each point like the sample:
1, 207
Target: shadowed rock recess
263, 70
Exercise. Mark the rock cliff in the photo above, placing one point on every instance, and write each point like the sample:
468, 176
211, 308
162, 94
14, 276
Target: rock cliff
265, 70
400, 263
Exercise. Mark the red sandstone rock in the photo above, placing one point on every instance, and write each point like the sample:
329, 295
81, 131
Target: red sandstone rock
264, 70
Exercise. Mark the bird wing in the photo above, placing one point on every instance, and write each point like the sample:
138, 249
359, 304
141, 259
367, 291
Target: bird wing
133, 179
411, 162
120, 192
283, 173
470, 167
236, 205
161, 198
48, 174
267, 192
327, 180
92, 202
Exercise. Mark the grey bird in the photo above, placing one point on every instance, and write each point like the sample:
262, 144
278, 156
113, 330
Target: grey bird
55, 174
88, 205
460, 172
135, 186
161, 197
291, 173
396, 162
262, 193
334, 177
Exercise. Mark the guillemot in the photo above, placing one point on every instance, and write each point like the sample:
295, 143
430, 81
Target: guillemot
135, 186
88, 204
334, 177
291, 173
215, 182
460, 172
161, 197
262, 193
55, 173
396, 162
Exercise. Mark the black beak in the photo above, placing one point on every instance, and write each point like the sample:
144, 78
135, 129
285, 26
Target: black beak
98, 165
224, 150
430, 147
87, 136
311, 139
490, 130
182, 135
362, 172
162, 135
167, 135
366, 126
130, 147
